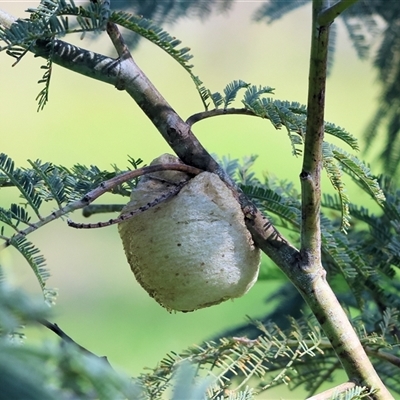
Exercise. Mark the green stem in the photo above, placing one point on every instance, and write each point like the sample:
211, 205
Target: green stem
312, 284
312, 161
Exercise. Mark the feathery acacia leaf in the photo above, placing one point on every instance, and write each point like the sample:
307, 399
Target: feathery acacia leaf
253, 93
155, 34
359, 172
7, 216
43, 95
274, 10
33, 257
231, 91
45, 182
217, 99
389, 321
271, 202
342, 134
49, 20
51, 186
20, 214
275, 350
335, 176
360, 33
22, 182
354, 393
334, 251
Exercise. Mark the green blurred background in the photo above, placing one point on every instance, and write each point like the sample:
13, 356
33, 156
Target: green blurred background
100, 305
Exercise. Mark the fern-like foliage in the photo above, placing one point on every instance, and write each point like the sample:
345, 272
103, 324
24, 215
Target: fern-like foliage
334, 173
163, 12
240, 171
369, 252
275, 205
360, 173
50, 20
268, 360
357, 258
296, 356
274, 10
293, 117
231, 91
21, 181
44, 183
33, 257
335, 161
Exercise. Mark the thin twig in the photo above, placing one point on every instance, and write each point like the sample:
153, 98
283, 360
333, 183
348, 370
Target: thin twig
124, 217
101, 209
59, 332
383, 355
328, 15
328, 394
100, 190
217, 112
118, 41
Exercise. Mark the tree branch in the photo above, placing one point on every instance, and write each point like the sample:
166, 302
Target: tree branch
318, 293
100, 190
383, 355
65, 338
310, 176
61, 334
328, 15
174, 190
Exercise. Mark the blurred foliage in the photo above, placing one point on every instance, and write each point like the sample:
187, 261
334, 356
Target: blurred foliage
68, 371
53, 370
373, 27
169, 12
